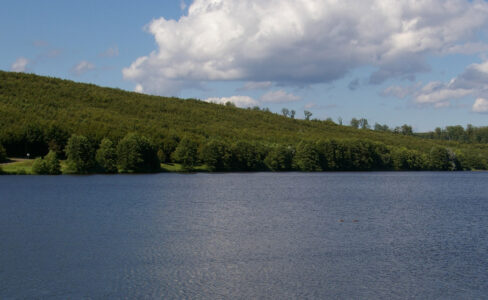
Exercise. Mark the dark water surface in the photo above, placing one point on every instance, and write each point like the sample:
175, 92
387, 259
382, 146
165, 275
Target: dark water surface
245, 236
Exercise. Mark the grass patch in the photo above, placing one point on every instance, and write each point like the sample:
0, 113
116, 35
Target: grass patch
179, 168
19, 167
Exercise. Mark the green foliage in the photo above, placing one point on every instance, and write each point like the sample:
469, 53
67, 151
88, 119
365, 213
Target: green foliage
40, 113
247, 156
106, 156
307, 157
135, 153
3, 154
279, 158
440, 159
49, 165
187, 153
405, 159
216, 155
80, 154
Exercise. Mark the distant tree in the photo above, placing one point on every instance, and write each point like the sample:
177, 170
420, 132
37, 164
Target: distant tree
285, 112
363, 123
3, 154
379, 127
216, 155
279, 158
135, 153
292, 114
339, 120
307, 115
231, 104
49, 165
307, 157
406, 130
440, 159
187, 153
354, 123
247, 156
80, 154
106, 156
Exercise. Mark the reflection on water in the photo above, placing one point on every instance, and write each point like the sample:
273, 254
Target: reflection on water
259, 235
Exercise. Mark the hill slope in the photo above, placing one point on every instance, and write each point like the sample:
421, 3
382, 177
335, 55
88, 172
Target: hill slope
33, 107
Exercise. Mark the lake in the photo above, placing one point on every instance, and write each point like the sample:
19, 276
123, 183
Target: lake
378, 235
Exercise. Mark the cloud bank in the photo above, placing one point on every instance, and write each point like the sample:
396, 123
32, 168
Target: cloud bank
473, 82
301, 42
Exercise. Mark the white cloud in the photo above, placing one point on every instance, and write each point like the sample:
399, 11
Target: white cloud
279, 96
19, 65
480, 106
83, 67
110, 52
473, 81
240, 101
304, 41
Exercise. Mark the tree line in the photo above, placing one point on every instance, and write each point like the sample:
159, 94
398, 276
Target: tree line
135, 153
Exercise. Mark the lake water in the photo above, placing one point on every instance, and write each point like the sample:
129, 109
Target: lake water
245, 236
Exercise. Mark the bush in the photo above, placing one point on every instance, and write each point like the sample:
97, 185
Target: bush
49, 165
135, 153
80, 154
106, 156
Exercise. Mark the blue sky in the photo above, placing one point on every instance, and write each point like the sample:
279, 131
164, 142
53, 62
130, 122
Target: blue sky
394, 62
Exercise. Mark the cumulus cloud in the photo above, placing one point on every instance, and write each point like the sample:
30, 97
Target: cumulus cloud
19, 65
240, 101
279, 96
304, 41
83, 67
480, 106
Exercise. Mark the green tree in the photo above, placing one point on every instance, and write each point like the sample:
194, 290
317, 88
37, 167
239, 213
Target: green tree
307, 157
80, 154
216, 155
279, 158
49, 165
187, 153
292, 114
106, 156
247, 156
285, 112
440, 159
307, 114
135, 153
354, 123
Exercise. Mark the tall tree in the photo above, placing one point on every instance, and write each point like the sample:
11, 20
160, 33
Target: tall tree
106, 156
80, 154
135, 153
307, 114
187, 153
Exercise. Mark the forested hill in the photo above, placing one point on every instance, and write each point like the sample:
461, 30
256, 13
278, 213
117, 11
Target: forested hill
38, 113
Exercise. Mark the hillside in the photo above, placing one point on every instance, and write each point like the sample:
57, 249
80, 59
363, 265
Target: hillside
37, 110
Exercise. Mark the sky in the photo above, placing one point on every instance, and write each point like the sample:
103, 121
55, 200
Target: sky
417, 62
